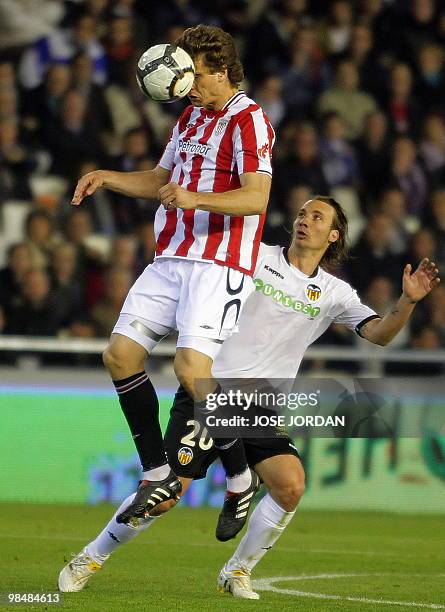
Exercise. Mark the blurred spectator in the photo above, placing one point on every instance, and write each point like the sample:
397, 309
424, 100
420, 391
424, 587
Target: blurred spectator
418, 28
338, 156
60, 47
373, 154
42, 105
373, 255
361, 53
105, 313
100, 204
66, 287
403, 110
92, 251
269, 97
145, 252
423, 244
336, 32
16, 163
302, 166
392, 204
275, 29
407, 173
71, 139
123, 254
97, 111
436, 223
35, 313
120, 49
430, 88
40, 237
307, 75
11, 276
432, 147
347, 100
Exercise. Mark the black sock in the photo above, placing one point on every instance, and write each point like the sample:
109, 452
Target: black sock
140, 406
232, 454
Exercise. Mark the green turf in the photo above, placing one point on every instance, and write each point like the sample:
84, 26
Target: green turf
173, 565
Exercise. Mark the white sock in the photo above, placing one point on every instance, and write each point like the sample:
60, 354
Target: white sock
265, 526
116, 534
240, 482
158, 473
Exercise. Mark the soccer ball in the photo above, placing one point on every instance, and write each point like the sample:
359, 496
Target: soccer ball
165, 73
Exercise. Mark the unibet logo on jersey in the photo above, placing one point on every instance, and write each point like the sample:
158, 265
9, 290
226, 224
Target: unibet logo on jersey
287, 300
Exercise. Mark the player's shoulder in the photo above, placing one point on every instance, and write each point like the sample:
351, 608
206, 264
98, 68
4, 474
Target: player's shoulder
341, 287
268, 252
242, 107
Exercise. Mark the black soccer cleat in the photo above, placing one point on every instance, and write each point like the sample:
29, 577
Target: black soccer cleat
151, 493
235, 510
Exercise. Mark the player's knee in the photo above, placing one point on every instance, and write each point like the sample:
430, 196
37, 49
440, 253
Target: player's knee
289, 494
163, 508
120, 361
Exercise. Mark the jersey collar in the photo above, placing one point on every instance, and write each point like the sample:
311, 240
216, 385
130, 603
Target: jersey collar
230, 102
286, 257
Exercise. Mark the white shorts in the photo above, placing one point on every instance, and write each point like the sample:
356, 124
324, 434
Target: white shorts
201, 300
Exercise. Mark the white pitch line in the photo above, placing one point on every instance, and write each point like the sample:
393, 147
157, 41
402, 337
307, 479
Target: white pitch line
266, 584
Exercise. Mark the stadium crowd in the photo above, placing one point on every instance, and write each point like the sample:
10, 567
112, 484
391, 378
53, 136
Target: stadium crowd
354, 89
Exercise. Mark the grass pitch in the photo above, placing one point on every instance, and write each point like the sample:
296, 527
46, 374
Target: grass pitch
330, 561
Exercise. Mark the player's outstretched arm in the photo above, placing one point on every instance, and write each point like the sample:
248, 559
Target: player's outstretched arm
250, 199
144, 184
416, 286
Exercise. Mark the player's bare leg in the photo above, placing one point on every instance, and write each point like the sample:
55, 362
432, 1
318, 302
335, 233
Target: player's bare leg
283, 476
75, 575
124, 359
242, 483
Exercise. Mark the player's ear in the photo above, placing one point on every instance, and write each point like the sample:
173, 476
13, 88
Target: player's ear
334, 235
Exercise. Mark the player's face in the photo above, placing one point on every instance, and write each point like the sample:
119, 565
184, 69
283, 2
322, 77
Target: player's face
313, 226
208, 88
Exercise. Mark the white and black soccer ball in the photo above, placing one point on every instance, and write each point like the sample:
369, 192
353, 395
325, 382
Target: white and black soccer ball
165, 73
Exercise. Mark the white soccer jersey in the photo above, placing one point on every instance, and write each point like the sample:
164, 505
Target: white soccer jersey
288, 311
207, 152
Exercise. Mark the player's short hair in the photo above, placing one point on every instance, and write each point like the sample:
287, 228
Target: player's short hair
216, 46
337, 251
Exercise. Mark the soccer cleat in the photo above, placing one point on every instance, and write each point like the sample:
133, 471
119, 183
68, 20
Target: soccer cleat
76, 574
150, 494
235, 510
236, 582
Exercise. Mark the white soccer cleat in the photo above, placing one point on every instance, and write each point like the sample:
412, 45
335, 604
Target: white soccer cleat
236, 582
77, 572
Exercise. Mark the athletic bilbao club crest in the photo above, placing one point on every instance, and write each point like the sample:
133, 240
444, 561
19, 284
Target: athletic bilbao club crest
221, 126
185, 455
313, 292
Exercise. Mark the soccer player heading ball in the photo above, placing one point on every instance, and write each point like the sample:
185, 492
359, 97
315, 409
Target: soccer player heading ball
213, 181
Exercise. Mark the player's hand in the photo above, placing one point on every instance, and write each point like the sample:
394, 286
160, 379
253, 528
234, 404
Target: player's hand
87, 185
418, 284
174, 196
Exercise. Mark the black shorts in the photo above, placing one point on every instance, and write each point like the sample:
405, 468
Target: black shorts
190, 453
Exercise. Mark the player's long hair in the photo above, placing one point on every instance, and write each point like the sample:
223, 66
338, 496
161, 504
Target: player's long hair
217, 47
337, 251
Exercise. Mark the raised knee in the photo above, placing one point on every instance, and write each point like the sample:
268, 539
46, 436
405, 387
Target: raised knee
163, 508
289, 495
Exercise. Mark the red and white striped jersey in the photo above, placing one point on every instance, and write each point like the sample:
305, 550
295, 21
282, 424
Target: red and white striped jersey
208, 151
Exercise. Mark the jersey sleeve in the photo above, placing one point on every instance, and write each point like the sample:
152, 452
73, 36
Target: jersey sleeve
354, 314
253, 140
168, 156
